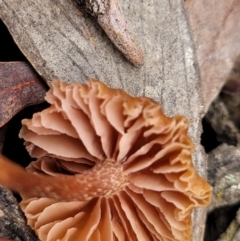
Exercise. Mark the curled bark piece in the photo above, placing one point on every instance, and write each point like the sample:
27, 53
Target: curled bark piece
20, 86
115, 165
110, 17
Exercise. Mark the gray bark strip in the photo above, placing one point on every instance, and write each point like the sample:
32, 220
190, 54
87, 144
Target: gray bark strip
12, 221
63, 43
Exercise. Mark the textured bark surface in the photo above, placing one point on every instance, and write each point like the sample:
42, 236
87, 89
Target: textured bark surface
223, 170
224, 175
20, 87
216, 32
12, 221
63, 43
223, 166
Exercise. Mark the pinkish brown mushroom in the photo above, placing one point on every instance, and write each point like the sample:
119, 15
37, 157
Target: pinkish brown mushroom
110, 167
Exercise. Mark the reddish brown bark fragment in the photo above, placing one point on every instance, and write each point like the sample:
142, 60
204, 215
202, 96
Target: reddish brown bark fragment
20, 86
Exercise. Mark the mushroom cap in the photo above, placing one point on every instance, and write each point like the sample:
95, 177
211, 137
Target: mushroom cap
130, 164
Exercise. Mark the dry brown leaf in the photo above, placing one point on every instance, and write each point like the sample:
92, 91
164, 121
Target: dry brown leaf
128, 172
20, 86
216, 31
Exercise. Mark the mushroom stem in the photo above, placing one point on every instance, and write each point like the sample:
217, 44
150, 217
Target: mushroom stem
104, 179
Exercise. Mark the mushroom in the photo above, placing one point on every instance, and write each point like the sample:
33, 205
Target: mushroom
110, 167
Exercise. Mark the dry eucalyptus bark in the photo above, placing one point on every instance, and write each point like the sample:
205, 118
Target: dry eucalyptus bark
12, 221
224, 175
215, 25
223, 163
20, 86
110, 17
63, 43
94, 7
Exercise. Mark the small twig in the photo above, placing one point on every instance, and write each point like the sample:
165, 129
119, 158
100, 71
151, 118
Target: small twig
110, 17
232, 229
